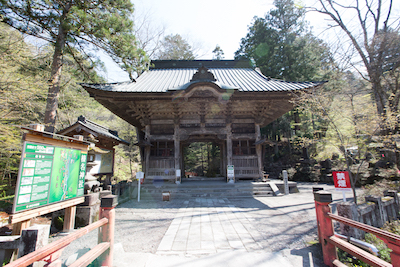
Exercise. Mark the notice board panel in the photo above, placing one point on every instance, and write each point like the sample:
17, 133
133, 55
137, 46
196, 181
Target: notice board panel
49, 173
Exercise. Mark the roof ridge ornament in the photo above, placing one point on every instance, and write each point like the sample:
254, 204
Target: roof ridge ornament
203, 74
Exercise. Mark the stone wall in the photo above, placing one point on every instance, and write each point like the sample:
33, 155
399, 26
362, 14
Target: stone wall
375, 212
125, 191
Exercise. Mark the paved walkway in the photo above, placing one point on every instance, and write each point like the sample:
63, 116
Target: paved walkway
260, 231
211, 232
206, 226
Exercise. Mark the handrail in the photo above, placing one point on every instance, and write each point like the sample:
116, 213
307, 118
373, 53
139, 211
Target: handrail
91, 255
56, 245
330, 242
365, 227
358, 252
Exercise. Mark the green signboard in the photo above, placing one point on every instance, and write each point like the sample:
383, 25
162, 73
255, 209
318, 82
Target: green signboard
49, 174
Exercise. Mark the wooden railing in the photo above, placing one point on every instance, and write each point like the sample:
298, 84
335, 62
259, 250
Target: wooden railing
330, 242
51, 252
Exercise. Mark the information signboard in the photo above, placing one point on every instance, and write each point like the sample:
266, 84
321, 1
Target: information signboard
49, 174
231, 172
104, 160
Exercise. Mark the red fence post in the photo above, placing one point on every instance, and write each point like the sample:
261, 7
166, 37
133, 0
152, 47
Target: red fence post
106, 232
325, 225
316, 189
395, 254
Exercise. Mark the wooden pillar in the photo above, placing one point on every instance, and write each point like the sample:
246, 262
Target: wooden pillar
259, 151
147, 150
229, 144
139, 137
177, 148
69, 218
223, 159
182, 160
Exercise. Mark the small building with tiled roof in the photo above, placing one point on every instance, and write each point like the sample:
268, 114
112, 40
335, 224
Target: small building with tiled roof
177, 102
104, 141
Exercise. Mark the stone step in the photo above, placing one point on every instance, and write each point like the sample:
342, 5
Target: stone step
213, 189
181, 191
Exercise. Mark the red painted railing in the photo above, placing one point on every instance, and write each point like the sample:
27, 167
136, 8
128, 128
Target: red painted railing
330, 242
51, 252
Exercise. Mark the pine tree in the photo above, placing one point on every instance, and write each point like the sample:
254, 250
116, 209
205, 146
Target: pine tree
76, 26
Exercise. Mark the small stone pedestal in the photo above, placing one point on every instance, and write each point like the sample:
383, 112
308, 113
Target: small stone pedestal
105, 193
88, 211
166, 196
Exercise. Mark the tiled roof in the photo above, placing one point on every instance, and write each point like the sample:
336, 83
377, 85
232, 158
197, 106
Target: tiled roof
174, 75
97, 128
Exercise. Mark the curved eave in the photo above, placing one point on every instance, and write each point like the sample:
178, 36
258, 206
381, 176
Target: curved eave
104, 89
166, 80
89, 129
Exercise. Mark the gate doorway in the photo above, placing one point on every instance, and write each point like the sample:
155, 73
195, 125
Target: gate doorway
202, 159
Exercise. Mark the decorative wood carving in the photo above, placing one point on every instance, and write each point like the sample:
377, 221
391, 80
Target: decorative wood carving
203, 74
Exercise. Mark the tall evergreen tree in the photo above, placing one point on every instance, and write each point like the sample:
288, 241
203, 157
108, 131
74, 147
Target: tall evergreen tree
75, 26
218, 53
174, 47
24, 70
282, 47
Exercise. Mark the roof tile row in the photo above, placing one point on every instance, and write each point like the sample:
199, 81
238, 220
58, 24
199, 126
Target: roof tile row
164, 80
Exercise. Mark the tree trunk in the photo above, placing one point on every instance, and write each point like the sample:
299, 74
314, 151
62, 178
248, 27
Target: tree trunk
56, 66
380, 98
54, 87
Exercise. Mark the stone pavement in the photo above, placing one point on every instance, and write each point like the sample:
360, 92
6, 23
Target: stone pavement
215, 232
209, 232
207, 226
259, 231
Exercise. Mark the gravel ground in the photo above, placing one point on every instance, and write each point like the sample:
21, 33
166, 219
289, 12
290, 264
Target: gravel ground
285, 223
139, 228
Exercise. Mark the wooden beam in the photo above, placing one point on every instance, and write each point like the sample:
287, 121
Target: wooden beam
91, 255
56, 245
26, 215
358, 252
54, 142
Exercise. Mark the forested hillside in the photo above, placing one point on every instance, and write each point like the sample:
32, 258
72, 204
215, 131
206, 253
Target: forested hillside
351, 123
24, 71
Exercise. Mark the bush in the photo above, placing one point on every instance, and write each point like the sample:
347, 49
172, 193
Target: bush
377, 189
384, 251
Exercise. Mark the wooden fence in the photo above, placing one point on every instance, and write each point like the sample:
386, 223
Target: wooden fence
104, 250
330, 242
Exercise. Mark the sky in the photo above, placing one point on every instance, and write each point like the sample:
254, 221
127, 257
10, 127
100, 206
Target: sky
204, 24
207, 23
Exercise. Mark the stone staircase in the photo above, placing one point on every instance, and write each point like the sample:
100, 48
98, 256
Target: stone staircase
210, 188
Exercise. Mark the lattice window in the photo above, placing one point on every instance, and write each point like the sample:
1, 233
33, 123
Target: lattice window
162, 149
243, 147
